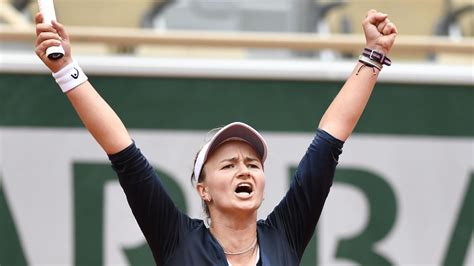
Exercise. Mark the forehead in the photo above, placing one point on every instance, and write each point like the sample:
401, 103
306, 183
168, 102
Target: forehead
232, 148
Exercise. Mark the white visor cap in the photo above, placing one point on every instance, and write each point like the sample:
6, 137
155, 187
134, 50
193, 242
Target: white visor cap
237, 131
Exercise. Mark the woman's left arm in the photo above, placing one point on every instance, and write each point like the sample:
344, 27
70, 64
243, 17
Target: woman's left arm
342, 115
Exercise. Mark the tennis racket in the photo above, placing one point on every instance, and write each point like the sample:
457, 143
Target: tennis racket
46, 8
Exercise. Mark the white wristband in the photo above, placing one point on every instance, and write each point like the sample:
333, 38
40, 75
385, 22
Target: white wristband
70, 77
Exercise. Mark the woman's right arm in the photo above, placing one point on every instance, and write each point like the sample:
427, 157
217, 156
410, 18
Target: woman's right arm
160, 221
97, 116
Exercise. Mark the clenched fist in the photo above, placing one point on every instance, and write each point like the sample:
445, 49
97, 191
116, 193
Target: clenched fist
379, 32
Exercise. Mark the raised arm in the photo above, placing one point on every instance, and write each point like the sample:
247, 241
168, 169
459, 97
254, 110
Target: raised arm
342, 115
98, 117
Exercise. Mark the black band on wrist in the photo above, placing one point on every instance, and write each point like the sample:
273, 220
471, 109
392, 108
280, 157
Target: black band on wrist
376, 56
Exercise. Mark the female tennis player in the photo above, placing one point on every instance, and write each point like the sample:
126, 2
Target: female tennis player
229, 169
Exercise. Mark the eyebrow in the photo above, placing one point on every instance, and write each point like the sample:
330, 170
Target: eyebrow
233, 159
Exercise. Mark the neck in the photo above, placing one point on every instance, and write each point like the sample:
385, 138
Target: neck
233, 234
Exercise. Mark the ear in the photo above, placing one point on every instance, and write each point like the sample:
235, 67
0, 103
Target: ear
203, 192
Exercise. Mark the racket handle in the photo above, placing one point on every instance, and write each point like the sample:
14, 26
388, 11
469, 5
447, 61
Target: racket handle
55, 52
46, 8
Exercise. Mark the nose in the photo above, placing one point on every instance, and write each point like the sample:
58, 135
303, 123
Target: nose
243, 170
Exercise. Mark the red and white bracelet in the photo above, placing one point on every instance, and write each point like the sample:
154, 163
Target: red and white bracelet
374, 58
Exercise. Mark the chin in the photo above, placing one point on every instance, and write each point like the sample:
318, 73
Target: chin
249, 206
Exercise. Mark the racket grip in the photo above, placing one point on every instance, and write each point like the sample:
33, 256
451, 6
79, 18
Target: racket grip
55, 52
46, 8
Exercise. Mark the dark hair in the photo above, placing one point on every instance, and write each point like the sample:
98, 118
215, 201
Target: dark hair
200, 178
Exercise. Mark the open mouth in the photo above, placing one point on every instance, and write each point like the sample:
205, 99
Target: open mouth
244, 189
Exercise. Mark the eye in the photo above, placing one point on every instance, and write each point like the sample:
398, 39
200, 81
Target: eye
252, 165
228, 166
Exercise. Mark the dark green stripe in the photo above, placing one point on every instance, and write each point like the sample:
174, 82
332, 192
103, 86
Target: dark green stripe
189, 103
11, 249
